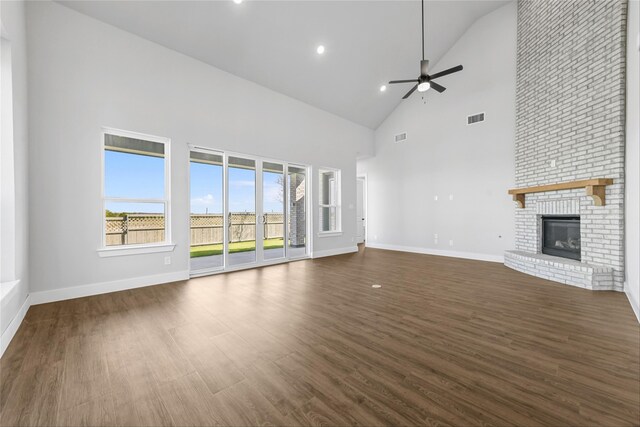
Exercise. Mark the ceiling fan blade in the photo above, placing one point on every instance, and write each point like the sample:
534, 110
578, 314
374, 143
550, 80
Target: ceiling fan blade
435, 86
410, 92
392, 82
446, 72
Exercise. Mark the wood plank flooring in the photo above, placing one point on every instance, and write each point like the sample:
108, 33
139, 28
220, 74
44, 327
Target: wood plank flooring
444, 342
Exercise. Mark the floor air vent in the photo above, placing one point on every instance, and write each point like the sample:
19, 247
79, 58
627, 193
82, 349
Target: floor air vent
476, 118
401, 137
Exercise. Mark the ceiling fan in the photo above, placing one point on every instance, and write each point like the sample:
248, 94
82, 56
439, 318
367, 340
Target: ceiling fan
425, 81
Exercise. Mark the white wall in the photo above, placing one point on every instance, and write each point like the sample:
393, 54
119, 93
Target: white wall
632, 190
14, 263
444, 156
84, 74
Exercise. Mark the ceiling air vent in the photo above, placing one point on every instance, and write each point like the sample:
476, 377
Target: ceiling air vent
401, 137
476, 118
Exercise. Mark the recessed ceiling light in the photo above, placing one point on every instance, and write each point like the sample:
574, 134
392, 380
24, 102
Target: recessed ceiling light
383, 88
320, 50
237, 1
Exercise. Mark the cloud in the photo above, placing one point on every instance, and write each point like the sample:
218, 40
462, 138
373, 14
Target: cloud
205, 201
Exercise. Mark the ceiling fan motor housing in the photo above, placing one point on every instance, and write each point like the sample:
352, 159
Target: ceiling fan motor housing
424, 67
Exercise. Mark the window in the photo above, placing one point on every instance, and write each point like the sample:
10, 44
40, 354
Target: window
330, 221
135, 195
7, 181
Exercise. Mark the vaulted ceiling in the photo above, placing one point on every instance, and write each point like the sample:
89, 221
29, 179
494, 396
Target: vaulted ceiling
273, 43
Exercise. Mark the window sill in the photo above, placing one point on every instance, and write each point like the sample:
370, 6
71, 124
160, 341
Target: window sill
329, 233
135, 250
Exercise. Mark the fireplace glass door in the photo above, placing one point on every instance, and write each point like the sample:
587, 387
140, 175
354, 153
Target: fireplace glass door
561, 236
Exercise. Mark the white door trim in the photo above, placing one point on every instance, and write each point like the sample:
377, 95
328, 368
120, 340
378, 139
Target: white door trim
365, 205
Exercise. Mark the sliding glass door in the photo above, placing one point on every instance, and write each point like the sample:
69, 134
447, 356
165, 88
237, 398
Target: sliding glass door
273, 203
297, 211
242, 211
245, 211
207, 211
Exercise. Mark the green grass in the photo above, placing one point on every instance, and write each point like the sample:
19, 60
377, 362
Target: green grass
208, 250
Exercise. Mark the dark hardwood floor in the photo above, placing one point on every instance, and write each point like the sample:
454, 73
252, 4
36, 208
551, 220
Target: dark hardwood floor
444, 342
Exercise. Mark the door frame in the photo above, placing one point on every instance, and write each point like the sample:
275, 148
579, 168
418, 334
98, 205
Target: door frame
259, 208
365, 205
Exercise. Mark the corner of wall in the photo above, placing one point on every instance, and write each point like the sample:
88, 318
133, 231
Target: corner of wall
633, 300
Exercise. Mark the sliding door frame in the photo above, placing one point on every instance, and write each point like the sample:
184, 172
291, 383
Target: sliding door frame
259, 211
205, 150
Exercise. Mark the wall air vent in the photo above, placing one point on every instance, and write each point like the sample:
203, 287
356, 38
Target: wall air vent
476, 118
401, 137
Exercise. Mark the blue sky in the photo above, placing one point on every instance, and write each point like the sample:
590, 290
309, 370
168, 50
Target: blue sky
133, 176
206, 190
136, 176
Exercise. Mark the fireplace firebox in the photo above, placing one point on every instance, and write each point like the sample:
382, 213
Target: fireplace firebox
561, 236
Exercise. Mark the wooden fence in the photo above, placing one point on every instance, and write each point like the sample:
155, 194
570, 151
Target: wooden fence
206, 229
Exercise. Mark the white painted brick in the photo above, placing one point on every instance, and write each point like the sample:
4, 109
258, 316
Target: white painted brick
574, 44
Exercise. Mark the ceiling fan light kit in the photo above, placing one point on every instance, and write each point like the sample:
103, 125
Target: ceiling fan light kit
424, 86
425, 81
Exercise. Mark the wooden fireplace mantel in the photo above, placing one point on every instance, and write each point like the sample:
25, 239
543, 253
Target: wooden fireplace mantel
594, 188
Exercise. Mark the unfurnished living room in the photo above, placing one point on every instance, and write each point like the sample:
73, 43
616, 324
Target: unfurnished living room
320, 213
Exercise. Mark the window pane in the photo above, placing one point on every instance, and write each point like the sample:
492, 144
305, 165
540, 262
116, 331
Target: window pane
133, 168
207, 213
328, 188
328, 219
297, 189
273, 192
134, 223
242, 210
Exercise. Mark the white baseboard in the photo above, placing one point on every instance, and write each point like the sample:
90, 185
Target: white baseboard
438, 252
43, 297
11, 330
635, 305
337, 251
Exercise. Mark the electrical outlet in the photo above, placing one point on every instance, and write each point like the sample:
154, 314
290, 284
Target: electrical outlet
450, 242
375, 237
552, 163
450, 196
435, 198
167, 260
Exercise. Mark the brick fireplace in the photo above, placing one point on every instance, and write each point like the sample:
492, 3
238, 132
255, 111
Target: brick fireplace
570, 106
